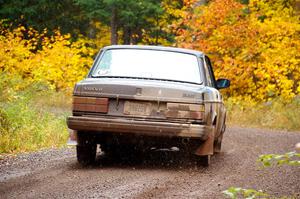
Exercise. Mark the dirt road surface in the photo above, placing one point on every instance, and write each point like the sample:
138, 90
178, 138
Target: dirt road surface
158, 174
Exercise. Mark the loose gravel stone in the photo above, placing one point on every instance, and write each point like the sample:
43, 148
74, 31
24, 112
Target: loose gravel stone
55, 173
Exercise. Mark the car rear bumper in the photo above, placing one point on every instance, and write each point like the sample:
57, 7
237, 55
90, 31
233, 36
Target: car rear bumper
130, 126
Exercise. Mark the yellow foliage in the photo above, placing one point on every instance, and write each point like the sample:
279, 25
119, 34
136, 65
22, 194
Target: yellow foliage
61, 63
102, 35
54, 60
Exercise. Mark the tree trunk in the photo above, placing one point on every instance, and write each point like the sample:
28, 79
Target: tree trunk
113, 27
126, 35
91, 31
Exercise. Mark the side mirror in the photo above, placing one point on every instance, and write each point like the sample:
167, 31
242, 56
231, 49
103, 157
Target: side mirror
223, 83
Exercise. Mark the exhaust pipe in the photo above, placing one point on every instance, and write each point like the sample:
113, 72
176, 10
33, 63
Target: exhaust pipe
184, 141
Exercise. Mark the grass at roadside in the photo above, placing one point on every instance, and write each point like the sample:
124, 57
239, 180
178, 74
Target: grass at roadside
275, 114
32, 116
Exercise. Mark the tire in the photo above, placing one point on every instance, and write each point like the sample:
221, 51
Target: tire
218, 144
203, 160
86, 154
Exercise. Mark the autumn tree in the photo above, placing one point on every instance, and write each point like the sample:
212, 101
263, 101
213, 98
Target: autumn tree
255, 44
59, 62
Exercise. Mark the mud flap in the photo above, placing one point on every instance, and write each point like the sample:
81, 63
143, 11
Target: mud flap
207, 148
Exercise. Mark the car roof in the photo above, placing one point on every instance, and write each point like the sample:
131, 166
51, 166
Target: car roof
161, 48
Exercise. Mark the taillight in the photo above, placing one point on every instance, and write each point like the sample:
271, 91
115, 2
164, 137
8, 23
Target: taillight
90, 104
186, 111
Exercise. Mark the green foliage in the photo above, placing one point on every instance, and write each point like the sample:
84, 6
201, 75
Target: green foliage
267, 160
128, 16
162, 32
146, 21
237, 192
277, 159
135, 21
41, 14
29, 117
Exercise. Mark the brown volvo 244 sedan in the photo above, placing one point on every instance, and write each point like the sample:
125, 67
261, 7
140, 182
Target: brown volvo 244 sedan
139, 97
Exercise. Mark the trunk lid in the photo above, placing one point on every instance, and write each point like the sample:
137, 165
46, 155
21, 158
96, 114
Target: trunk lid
141, 89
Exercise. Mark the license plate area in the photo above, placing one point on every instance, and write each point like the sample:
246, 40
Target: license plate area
137, 108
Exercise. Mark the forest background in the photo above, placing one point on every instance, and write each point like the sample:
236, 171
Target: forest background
46, 46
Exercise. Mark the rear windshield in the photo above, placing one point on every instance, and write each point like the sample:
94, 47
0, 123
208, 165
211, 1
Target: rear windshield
150, 64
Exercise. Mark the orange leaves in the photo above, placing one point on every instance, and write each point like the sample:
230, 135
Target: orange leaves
260, 56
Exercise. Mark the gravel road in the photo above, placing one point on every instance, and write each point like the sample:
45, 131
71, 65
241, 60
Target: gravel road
55, 173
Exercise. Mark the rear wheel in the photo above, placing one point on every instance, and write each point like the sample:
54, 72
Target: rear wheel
218, 144
86, 154
203, 160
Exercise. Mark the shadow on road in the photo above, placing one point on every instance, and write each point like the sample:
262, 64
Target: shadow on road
152, 159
